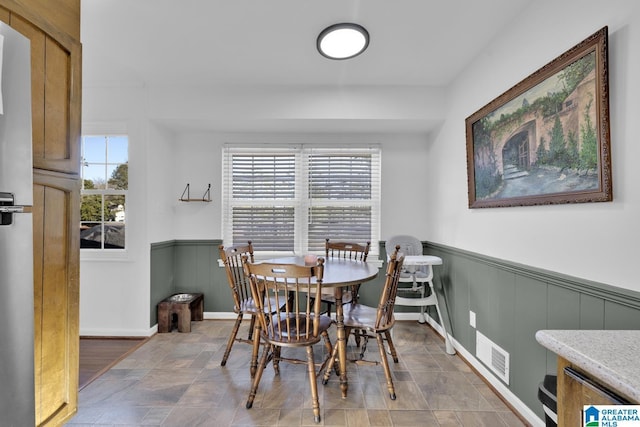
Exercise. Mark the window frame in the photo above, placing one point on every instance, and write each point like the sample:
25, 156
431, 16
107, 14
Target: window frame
102, 252
302, 201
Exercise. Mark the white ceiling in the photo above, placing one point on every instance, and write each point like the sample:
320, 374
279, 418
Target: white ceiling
244, 43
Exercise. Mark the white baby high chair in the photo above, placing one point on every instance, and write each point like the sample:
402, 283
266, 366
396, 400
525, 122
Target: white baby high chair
417, 271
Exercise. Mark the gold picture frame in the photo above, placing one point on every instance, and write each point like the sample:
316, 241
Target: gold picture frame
546, 140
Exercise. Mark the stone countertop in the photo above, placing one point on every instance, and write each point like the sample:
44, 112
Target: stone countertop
612, 357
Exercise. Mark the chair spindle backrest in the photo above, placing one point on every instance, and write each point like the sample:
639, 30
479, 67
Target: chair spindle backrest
273, 285
388, 296
347, 250
238, 282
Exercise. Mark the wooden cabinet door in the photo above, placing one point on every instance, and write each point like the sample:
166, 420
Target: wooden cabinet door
56, 264
576, 389
55, 91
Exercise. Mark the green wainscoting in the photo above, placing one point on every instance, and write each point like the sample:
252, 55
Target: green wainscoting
196, 270
162, 273
192, 266
188, 266
511, 301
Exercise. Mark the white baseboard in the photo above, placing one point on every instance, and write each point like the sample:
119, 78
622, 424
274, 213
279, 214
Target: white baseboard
89, 332
219, 315
406, 316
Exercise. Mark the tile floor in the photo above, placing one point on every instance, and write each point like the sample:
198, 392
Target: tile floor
175, 379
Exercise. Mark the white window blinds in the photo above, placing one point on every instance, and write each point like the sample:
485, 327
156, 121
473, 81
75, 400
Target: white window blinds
291, 199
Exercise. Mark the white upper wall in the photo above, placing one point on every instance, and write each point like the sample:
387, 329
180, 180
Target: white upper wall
199, 162
299, 109
114, 288
594, 241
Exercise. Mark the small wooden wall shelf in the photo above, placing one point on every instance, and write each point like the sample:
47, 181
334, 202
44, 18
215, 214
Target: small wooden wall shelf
205, 198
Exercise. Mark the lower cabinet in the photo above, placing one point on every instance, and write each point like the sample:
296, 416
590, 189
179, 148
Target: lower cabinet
577, 388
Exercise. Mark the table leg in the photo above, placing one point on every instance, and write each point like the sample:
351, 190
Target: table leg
341, 342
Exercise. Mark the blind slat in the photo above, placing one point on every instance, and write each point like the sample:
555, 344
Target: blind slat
293, 198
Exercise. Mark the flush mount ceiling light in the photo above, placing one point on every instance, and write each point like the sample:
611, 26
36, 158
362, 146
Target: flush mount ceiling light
342, 41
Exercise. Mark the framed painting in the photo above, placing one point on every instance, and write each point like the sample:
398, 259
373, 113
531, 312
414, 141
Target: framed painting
546, 140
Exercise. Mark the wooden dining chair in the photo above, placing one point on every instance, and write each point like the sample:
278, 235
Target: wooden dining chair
369, 322
345, 250
243, 302
296, 324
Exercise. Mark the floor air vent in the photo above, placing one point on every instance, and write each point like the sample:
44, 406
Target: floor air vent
493, 356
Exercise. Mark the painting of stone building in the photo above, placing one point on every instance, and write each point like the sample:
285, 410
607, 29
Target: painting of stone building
543, 141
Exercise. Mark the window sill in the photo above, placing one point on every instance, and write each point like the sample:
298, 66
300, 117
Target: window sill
376, 261
103, 255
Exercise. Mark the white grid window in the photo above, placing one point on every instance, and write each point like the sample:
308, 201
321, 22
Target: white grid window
290, 199
105, 181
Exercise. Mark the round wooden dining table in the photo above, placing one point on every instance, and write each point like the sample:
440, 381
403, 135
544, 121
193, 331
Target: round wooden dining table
338, 274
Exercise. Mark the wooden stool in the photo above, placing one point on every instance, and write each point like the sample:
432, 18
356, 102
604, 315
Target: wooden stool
186, 307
